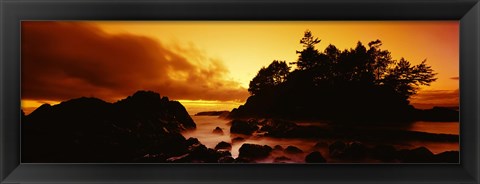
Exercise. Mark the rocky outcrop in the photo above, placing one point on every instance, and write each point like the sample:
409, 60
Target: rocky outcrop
223, 146
254, 151
292, 150
143, 126
218, 131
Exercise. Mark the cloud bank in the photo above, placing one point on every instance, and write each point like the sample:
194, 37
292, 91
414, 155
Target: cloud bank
64, 60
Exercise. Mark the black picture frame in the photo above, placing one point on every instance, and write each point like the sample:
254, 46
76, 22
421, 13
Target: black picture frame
14, 11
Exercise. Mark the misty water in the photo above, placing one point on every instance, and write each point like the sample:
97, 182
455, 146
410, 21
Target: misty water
206, 124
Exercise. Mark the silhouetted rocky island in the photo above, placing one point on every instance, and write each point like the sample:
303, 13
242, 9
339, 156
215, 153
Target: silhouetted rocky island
213, 113
362, 84
143, 127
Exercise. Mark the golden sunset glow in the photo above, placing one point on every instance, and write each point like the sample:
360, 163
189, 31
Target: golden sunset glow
207, 65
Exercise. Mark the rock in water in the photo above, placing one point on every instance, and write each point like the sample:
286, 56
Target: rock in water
218, 130
223, 145
243, 127
254, 151
278, 148
292, 150
315, 157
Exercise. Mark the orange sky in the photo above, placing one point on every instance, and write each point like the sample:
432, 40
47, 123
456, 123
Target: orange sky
208, 63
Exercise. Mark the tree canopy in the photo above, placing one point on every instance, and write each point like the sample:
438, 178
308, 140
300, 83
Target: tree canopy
363, 81
267, 78
360, 65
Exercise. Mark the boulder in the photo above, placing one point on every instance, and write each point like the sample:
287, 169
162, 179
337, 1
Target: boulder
292, 150
278, 148
254, 151
192, 141
315, 157
223, 145
218, 130
202, 154
243, 127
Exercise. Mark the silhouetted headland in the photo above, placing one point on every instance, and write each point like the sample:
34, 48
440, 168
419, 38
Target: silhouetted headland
143, 127
213, 113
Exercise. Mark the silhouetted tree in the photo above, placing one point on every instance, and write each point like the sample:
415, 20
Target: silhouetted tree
406, 79
382, 59
269, 77
309, 56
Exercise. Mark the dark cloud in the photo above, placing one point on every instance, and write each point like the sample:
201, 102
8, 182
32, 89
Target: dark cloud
455, 78
431, 98
64, 60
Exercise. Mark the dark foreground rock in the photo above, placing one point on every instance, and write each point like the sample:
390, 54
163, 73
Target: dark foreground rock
143, 126
287, 129
198, 153
417, 155
384, 153
292, 150
243, 127
447, 157
353, 150
223, 145
254, 151
315, 157
278, 148
218, 130
226, 159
